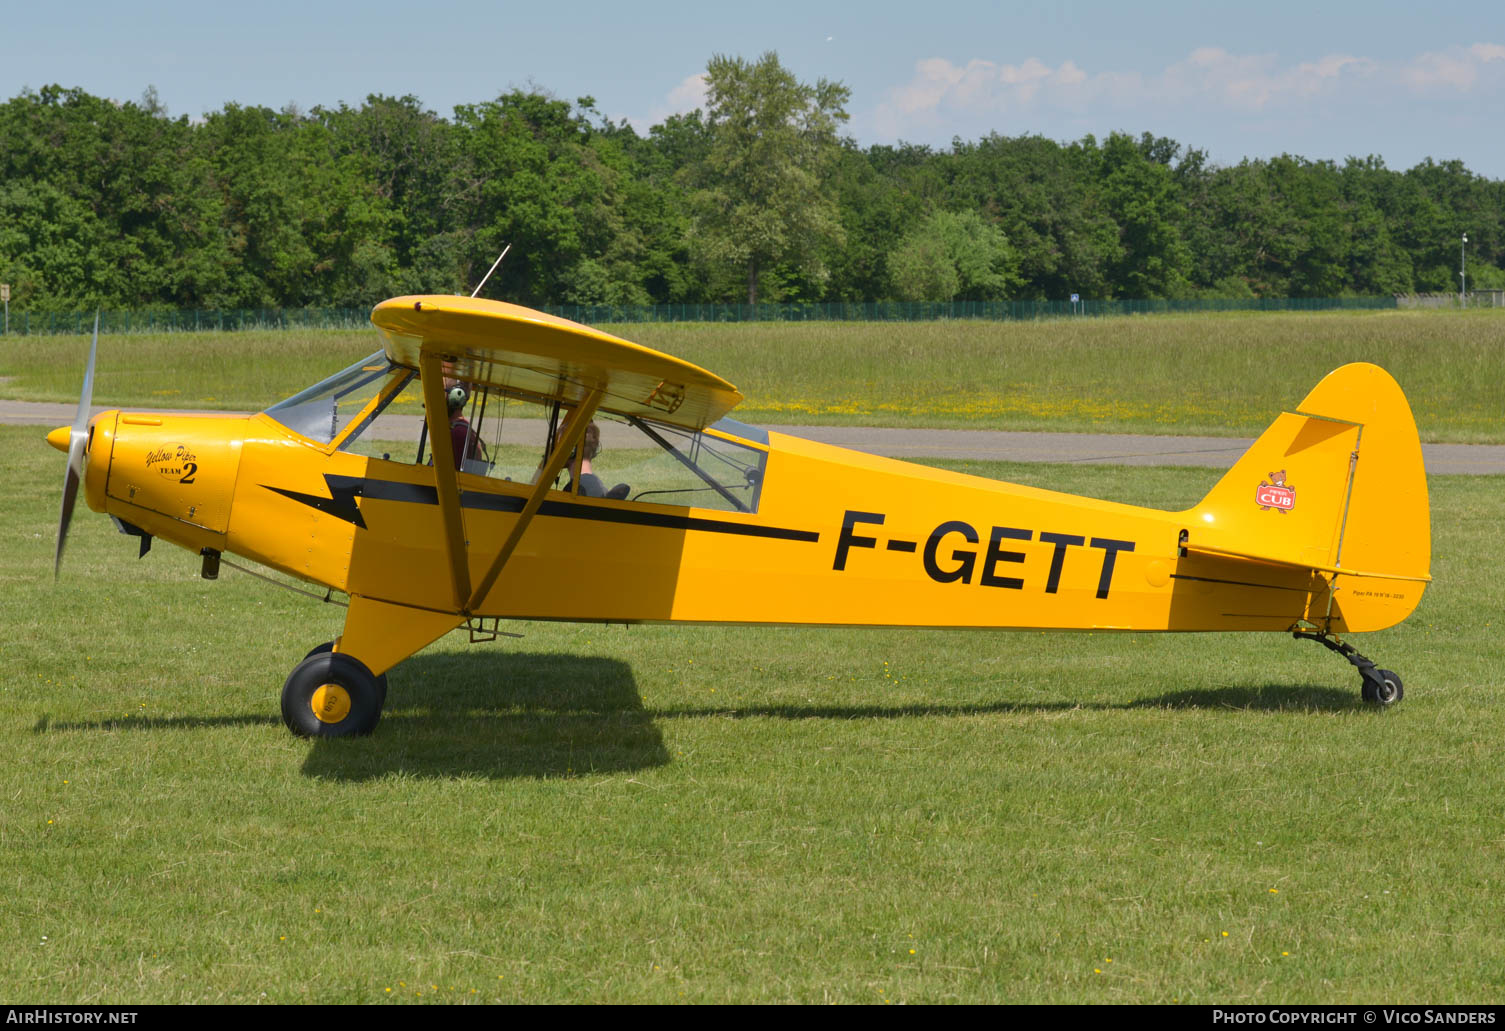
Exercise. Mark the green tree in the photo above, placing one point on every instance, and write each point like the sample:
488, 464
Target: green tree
953, 255
409, 155
51, 247
882, 193
1310, 190
1139, 193
1045, 198
1446, 201
1376, 264
764, 196
529, 178
107, 202
1242, 232
306, 224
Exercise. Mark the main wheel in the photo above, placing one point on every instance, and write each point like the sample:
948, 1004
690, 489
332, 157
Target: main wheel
328, 646
331, 694
1384, 689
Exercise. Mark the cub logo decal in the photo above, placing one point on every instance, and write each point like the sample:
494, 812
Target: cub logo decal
1275, 493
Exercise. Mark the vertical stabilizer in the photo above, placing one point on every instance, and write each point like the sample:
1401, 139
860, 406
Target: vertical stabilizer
1337, 486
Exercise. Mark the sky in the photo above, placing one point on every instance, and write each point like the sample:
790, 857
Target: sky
1322, 80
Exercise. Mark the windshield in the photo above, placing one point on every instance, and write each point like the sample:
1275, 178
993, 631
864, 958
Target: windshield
324, 410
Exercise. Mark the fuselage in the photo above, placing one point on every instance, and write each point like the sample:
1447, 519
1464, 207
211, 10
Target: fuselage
837, 538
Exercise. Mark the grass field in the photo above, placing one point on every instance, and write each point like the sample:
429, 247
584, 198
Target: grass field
658, 814
1221, 374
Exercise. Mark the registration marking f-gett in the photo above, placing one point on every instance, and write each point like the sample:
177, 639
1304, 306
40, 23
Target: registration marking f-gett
959, 564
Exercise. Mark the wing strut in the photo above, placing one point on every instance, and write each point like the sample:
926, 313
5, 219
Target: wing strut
569, 439
431, 372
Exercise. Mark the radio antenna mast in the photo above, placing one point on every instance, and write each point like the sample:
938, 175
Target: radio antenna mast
494, 264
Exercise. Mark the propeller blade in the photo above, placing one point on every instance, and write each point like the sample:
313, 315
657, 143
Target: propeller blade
86, 395
70, 493
78, 437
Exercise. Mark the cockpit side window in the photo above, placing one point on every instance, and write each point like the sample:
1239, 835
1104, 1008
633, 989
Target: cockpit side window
374, 408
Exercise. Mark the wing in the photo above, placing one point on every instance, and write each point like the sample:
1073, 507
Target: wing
511, 348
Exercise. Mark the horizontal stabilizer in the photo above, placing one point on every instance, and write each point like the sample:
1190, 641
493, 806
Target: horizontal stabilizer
1266, 560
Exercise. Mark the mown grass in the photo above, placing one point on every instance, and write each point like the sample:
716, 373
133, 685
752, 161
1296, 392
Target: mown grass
662, 814
1215, 374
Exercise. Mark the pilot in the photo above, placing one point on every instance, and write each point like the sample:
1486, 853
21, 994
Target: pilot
465, 441
590, 484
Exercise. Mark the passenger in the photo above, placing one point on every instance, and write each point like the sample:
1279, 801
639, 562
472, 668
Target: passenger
590, 484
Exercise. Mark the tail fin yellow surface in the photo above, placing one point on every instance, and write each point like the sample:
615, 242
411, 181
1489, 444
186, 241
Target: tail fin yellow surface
1339, 487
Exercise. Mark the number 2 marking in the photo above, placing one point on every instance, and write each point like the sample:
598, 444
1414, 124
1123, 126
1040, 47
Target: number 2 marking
190, 470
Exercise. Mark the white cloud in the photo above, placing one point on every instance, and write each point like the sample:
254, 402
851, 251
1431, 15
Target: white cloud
940, 90
984, 86
1458, 68
1253, 82
688, 95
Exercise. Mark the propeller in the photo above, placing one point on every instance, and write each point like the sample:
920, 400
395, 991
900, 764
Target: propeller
78, 439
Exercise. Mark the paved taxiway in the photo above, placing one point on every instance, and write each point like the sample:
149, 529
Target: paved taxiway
999, 445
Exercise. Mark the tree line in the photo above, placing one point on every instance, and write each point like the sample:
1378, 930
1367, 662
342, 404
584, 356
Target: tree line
756, 196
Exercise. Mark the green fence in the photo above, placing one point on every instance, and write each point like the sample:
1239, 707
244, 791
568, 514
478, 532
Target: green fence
188, 320
195, 320
931, 311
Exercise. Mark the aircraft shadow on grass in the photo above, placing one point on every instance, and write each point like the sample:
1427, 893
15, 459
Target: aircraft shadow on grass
1270, 697
1261, 697
533, 715
507, 715
45, 724
550, 715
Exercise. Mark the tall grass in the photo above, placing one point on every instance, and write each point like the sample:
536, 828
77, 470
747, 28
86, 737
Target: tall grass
1196, 374
662, 814
1179, 374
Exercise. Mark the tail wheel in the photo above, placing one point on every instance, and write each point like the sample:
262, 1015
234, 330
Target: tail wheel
328, 646
331, 694
1384, 689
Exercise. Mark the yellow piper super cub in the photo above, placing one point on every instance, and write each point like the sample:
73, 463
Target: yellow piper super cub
1320, 529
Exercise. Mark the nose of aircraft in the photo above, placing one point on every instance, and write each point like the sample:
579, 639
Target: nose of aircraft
60, 438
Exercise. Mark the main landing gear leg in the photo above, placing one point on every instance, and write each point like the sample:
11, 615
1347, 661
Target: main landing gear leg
1380, 686
341, 693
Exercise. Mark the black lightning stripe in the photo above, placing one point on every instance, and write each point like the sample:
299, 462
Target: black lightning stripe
340, 503
344, 490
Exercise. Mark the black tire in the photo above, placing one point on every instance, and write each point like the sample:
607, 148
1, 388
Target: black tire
1384, 688
328, 646
331, 694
